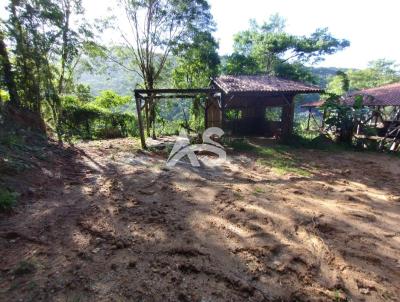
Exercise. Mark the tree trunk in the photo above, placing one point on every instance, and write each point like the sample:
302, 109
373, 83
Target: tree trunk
8, 74
153, 119
140, 121
287, 119
64, 55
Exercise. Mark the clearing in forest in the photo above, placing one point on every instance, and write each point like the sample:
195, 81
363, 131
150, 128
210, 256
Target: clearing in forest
103, 223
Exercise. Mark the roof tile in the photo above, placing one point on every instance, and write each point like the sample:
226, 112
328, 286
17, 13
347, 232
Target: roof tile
387, 95
242, 83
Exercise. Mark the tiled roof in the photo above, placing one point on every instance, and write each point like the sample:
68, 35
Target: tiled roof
232, 84
387, 95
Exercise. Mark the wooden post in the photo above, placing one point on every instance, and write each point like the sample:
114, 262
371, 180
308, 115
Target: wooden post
140, 121
323, 118
288, 118
309, 117
222, 111
206, 104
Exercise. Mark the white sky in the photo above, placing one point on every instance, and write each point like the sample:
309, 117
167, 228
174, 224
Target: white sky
371, 26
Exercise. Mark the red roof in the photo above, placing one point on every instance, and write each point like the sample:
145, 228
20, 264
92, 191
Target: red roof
242, 83
387, 95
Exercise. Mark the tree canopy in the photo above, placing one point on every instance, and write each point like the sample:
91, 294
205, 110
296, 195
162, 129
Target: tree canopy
379, 72
268, 49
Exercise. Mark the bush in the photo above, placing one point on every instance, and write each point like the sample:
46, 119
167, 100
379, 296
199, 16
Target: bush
7, 199
107, 116
4, 96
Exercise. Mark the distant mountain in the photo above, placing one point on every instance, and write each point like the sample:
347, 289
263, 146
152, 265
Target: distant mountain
110, 77
324, 73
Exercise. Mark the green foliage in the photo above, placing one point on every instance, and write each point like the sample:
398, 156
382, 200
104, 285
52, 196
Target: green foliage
342, 119
239, 64
83, 93
24, 268
4, 96
197, 62
273, 114
378, 73
268, 49
107, 116
277, 157
45, 47
339, 84
7, 199
233, 114
109, 100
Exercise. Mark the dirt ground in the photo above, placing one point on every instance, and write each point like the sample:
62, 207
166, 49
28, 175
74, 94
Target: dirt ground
104, 223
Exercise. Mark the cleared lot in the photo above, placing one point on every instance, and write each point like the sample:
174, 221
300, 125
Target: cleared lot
107, 224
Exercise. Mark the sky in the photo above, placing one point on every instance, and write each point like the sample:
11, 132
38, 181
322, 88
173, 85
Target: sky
371, 26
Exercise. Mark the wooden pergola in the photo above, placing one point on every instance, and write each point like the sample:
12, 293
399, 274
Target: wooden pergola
141, 95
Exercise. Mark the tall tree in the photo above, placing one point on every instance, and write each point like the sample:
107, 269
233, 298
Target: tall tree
8, 73
379, 72
156, 28
269, 49
46, 47
197, 62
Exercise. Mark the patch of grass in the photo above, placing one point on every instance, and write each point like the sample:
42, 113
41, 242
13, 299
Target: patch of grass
259, 190
11, 140
24, 268
283, 166
7, 199
278, 157
317, 142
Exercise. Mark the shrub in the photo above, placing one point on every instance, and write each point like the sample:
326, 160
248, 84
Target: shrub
107, 116
7, 199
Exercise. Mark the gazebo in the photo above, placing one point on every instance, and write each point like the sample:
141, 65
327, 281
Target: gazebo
240, 105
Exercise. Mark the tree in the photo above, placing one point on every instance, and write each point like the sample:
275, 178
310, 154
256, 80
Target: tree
239, 64
8, 73
268, 49
378, 73
197, 62
157, 28
45, 51
339, 84
74, 42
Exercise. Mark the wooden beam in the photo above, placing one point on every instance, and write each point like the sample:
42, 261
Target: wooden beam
140, 121
172, 96
309, 117
288, 118
146, 92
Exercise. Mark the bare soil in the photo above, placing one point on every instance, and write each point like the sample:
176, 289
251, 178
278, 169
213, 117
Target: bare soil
103, 222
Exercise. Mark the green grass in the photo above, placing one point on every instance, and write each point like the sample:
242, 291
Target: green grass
277, 157
258, 190
24, 268
7, 199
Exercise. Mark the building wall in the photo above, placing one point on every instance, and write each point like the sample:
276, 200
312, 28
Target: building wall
253, 121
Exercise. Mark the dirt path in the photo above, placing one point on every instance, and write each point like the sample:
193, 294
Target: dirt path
107, 224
